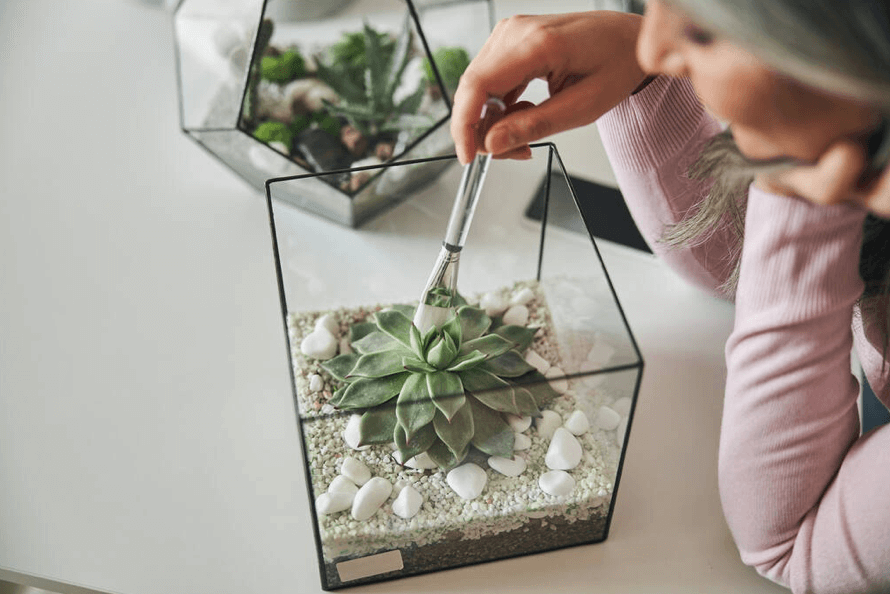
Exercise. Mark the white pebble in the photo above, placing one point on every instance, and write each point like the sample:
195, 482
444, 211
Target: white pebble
421, 461
493, 304
467, 480
355, 470
319, 344
537, 361
523, 297
577, 423
607, 419
398, 486
547, 423
316, 384
558, 483
280, 147
328, 322
508, 466
619, 434
622, 406
408, 503
559, 383
331, 503
600, 354
519, 424
564, 452
352, 434
370, 497
521, 442
341, 484
517, 315
345, 347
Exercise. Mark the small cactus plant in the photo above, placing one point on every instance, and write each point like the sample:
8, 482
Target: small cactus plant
441, 392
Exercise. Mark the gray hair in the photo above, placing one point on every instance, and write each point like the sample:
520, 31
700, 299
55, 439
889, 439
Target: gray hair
840, 46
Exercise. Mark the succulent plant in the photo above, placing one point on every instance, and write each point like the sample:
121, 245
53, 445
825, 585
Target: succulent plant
367, 98
441, 392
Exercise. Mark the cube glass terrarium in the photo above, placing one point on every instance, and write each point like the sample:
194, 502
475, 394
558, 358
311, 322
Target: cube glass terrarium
271, 88
502, 432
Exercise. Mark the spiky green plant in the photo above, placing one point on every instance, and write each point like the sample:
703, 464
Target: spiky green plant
367, 95
441, 392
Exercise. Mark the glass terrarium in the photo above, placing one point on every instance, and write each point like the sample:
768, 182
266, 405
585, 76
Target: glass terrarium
284, 87
499, 432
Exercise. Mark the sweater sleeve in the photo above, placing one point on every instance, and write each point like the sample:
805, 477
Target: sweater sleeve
651, 139
804, 496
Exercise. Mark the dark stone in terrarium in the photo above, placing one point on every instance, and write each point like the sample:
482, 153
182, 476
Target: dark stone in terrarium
323, 151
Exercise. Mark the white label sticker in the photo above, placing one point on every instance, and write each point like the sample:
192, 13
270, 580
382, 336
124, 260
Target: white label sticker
355, 569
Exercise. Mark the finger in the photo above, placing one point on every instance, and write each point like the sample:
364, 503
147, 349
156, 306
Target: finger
832, 179
876, 196
523, 153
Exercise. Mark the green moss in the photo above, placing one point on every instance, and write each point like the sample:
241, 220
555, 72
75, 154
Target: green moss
274, 131
451, 62
327, 122
283, 68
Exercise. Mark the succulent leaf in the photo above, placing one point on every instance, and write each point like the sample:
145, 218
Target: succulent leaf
520, 335
377, 425
367, 392
447, 392
400, 58
418, 443
396, 324
417, 365
414, 409
360, 330
473, 321
375, 73
490, 345
453, 330
375, 342
428, 337
416, 341
443, 456
379, 364
457, 432
510, 364
468, 361
341, 365
442, 353
539, 387
491, 433
498, 394
405, 309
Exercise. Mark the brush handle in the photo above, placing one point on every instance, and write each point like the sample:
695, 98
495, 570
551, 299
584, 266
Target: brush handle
471, 181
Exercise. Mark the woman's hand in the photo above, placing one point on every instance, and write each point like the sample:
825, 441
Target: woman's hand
588, 60
839, 175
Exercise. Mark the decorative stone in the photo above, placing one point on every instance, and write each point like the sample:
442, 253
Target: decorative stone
328, 322
421, 461
398, 486
508, 466
523, 297
548, 423
517, 315
607, 419
341, 484
370, 497
467, 480
331, 503
323, 151
355, 470
521, 442
622, 406
316, 384
280, 147
537, 361
560, 383
564, 452
577, 423
620, 432
408, 503
558, 483
319, 344
493, 304
352, 435
519, 424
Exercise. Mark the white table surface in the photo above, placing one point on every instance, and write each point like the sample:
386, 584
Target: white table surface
148, 441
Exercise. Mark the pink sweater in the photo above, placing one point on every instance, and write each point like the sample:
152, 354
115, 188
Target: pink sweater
806, 498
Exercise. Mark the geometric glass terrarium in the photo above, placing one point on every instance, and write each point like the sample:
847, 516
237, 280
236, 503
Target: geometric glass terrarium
502, 432
283, 87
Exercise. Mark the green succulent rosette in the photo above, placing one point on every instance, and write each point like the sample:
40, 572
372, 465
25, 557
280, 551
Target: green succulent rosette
442, 392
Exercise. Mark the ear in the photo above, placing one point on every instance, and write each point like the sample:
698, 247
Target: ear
832, 179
